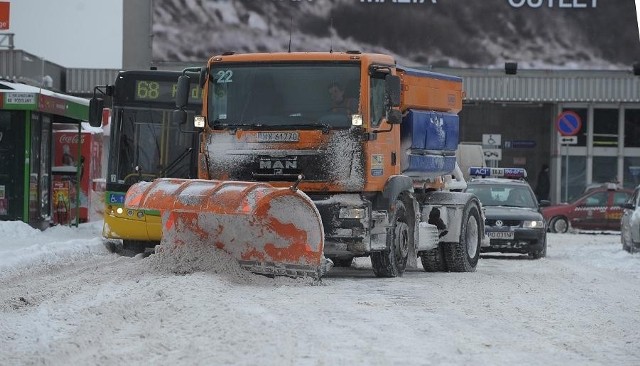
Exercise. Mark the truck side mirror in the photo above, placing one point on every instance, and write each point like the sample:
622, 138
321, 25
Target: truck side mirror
392, 90
203, 77
96, 105
179, 117
182, 94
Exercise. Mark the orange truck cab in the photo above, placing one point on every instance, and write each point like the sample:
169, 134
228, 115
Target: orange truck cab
379, 177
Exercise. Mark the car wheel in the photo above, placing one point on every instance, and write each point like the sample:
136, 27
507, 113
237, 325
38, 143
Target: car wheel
625, 241
537, 254
559, 225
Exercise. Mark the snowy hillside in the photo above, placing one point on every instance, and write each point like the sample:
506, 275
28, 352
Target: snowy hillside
460, 33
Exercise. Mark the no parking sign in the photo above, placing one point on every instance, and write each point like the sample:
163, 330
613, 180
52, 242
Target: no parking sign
568, 123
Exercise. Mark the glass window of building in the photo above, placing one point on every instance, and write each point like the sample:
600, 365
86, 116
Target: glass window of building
605, 169
605, 127
573, 187
631, 172
632, 128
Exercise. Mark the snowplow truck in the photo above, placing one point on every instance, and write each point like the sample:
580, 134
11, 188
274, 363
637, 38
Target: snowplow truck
311, 156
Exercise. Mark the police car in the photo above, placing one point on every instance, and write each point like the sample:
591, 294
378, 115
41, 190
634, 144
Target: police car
513, 221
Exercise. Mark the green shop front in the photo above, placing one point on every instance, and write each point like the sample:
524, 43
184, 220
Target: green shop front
28, 116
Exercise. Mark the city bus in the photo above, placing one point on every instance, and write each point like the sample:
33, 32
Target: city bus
144, 145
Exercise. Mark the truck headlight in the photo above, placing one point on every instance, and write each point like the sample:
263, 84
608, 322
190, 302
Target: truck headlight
533, 224
356, 120
351, 213
198, 121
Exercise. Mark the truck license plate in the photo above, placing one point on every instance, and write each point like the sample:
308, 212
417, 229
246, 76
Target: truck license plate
278, 137
500, 234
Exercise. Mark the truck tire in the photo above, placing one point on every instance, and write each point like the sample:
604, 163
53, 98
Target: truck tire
393, 261
433, 260
463, 256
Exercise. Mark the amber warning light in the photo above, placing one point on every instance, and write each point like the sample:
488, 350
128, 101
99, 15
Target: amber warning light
4, 15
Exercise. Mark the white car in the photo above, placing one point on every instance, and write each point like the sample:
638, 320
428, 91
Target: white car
630, 223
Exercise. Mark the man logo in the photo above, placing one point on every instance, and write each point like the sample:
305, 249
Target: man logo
278, 164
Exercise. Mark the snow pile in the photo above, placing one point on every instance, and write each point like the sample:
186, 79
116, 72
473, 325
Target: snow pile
23, 245
189, 254
593, 254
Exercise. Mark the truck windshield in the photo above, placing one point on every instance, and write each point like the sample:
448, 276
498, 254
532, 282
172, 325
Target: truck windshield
284, 95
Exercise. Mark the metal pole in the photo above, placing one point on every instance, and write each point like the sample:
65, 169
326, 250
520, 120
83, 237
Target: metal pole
566, 173
78, 173
42, 74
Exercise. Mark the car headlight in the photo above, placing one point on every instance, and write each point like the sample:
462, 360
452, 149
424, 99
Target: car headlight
533, 224
351, 213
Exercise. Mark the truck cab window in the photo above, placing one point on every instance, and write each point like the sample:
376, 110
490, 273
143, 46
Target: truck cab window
376, 101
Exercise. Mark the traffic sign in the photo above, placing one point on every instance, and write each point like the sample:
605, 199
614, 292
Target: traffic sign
492, 154
568, 123
568, 140
491, 140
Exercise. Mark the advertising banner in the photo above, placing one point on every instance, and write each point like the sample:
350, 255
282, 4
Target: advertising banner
549, 34
65, 164
4, 15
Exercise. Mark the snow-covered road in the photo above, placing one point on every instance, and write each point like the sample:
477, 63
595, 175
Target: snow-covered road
578, 306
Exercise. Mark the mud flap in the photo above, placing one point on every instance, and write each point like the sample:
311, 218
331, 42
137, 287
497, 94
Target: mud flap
268, 230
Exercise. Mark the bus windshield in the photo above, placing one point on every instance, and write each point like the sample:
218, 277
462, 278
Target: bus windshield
146, 146
284, 95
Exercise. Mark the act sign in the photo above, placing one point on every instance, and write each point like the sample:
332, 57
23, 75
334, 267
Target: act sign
568, 123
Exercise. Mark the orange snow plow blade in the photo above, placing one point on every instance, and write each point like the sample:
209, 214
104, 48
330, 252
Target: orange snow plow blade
272, 231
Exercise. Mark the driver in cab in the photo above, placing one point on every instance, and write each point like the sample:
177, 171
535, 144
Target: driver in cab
340, 103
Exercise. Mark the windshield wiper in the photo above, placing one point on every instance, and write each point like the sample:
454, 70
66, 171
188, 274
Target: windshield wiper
219, 124
165, 172
325, 126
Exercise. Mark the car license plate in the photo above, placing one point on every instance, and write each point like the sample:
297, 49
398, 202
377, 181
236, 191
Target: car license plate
500, 234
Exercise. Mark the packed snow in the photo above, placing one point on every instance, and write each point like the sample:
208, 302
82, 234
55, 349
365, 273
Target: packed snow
66, 299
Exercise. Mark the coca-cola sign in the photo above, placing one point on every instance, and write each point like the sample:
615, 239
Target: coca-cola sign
70, 139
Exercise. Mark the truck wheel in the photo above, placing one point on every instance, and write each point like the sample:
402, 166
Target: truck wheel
392, 261
559, 225
433, 260
463, 256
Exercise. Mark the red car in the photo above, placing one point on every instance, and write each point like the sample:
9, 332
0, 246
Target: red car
598, 208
